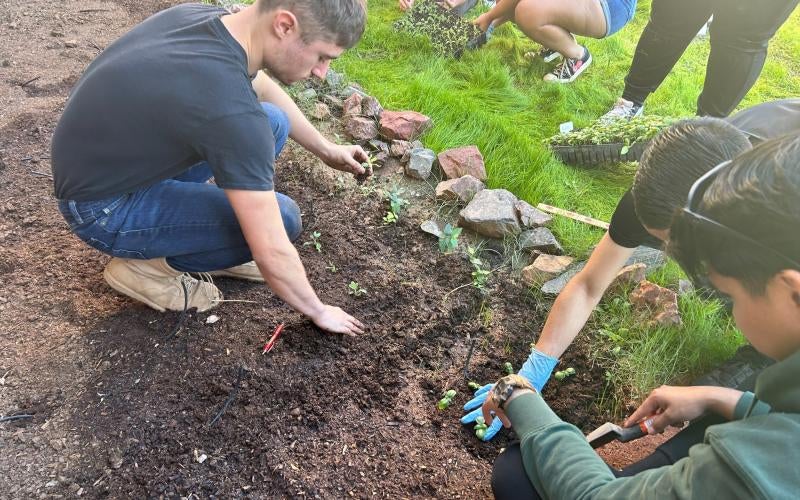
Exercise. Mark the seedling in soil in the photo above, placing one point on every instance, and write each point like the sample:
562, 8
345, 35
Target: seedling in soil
355, 289
473, 386
448, 241
561, 375
480, 428
332, 268
396, 205
314, 241
369, 169
480, 276
508, 368
444, 403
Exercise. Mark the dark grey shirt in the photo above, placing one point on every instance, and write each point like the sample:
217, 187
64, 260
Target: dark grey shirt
170, 93
759, 123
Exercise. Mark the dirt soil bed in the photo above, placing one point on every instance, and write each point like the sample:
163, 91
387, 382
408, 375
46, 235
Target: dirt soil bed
122, 408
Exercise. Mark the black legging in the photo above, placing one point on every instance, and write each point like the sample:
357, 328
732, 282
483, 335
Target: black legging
740, 34
510, 482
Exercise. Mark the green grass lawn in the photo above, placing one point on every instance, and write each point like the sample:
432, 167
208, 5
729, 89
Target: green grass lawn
495, 98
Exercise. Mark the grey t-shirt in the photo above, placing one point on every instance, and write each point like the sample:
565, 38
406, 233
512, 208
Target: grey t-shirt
170, 93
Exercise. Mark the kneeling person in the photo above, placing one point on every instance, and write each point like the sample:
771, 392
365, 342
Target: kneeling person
179, 99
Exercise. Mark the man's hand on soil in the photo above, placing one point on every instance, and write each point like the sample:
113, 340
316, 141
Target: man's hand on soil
332, 319
344, 157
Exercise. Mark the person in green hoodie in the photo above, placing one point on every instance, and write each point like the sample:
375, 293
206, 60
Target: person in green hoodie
739, 229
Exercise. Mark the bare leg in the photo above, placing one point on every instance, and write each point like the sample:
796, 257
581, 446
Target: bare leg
552, 23
502, 11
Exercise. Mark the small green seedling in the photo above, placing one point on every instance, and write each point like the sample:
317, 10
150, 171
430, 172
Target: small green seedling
480, 276
332, 267
473, 386
448, 241
314, 241
444, 403
480, 428
508, 368
369, 169
355, 289
561, 375
396, 205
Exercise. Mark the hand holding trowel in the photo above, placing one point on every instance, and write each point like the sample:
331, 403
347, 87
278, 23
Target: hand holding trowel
611, 432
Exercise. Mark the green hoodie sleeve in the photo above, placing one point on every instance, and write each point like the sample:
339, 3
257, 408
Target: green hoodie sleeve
561, 464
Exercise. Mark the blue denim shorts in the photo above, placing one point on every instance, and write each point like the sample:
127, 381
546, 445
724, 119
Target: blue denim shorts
618, 13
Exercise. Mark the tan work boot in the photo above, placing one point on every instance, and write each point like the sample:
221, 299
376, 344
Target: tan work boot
247, 271
156, 284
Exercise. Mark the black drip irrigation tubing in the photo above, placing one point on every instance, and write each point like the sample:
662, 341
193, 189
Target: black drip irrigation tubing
182, 318
231, 396
469, 357
11, 418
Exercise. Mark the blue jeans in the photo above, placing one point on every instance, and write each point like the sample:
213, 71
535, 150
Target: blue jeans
184, 219
618, 13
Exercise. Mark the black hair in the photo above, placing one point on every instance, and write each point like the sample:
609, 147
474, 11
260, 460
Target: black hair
758, 196
677, 157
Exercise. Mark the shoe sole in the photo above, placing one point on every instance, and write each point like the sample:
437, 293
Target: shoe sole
577, 73
125, 290
552, 57
228, 274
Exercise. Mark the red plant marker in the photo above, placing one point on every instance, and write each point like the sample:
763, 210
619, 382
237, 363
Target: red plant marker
271, 342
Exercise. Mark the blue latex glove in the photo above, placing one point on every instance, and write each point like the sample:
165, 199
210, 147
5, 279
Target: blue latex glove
537, 370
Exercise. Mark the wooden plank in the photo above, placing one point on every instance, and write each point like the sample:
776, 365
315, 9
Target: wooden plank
572, 215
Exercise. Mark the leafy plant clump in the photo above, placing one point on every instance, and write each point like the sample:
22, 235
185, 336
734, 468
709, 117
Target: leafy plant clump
627, 132
561, 375
448, 241
447, 398
449, 34
396, 205
480, 427
508, 368
480, 275
314, 241
355, 289
473, 386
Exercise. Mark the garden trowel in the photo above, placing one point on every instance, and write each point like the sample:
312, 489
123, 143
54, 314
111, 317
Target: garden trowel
611, 432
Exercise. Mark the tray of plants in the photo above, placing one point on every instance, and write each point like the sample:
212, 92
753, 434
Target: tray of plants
610, 142
449, 33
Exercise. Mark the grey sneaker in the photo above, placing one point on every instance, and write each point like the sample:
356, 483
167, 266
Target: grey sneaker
159, 286
623, 110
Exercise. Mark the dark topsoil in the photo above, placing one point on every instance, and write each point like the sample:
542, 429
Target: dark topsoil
122, 409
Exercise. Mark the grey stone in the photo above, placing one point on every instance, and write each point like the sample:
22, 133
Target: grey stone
334, 79
491, 213
650, 257
420, 163
379, 145
371, 107
555, 286
307, 94
685, 287
530, 216
540, 240
433, 227
350, 90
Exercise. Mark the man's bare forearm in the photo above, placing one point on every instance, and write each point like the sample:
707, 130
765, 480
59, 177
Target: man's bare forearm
302, 131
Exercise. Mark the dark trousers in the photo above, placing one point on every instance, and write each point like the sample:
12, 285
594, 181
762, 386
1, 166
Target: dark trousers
510, 482
740, 34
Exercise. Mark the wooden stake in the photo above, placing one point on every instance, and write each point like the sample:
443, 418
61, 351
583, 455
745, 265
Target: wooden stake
572, 215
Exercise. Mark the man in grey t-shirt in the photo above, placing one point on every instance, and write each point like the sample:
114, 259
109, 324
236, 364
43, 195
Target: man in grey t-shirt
179, 99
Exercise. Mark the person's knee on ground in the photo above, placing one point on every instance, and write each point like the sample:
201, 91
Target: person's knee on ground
509, 479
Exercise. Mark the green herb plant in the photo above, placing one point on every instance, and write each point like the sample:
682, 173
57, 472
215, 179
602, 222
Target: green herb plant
314, 241
480, 275
396, 205
447, 398
473, 386
355, 289
480, 428
626, 132
508, 368
332, 268
448, 241
561, 375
